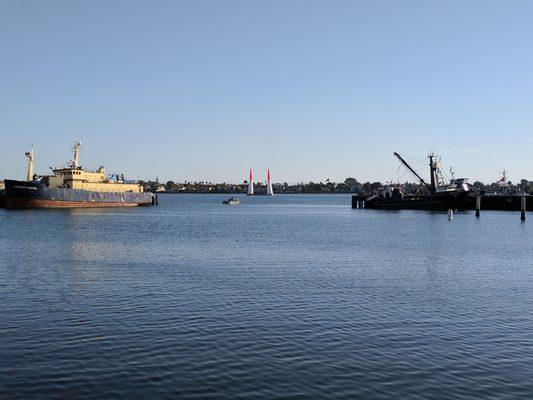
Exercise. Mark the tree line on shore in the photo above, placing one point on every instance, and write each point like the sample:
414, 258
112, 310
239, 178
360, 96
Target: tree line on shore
350, 185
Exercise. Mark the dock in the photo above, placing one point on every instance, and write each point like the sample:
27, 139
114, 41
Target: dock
488, 201
500, 202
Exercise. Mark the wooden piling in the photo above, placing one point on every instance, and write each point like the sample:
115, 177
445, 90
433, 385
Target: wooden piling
357, 202
478, 205
523, 208
450, 215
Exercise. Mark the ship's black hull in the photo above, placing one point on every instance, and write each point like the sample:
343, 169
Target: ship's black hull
22, 194
436, 202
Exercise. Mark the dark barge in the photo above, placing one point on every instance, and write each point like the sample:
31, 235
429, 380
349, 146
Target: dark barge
488, 202
500, 202
437, 195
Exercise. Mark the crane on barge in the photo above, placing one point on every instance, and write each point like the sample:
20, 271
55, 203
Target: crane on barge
440, 195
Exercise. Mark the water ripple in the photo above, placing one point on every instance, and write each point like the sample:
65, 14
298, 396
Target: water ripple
294, 297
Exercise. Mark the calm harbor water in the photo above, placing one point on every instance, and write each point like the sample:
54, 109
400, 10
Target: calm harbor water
292, 297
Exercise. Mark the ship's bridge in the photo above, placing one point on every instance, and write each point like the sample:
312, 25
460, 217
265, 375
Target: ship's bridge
97, 181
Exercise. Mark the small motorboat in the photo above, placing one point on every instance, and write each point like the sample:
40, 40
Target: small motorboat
232, 201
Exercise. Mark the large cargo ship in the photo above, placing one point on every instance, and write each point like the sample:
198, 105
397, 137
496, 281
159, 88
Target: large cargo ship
72, 186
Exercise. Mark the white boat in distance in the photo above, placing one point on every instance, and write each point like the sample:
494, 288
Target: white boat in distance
232, 201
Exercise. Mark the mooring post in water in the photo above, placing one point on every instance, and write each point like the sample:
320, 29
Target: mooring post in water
363, 204
450, 214
357, 204
523, 208
478, 204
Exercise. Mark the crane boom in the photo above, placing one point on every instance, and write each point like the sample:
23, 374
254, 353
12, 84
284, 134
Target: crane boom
412, 170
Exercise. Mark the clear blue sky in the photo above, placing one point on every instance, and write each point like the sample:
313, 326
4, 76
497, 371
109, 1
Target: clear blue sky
204, 90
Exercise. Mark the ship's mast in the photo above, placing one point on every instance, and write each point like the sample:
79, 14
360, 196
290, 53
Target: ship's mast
75, 159
432, 169
503, 180
29, 154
